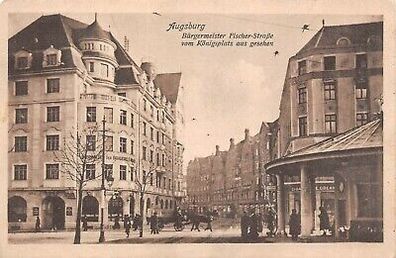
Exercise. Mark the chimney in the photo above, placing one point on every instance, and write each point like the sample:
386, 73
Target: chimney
246, 134
232, 143
217, 150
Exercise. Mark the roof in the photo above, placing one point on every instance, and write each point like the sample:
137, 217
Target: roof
358, 34
95, 31
62, 32
365, 137
169, 84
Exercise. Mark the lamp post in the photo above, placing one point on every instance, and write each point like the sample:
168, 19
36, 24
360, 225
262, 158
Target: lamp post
109, 179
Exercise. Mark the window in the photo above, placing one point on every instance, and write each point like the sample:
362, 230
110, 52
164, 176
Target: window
105, 70
163, 138
108, 170
302, 67
91, 67
90, 171
144, 104
144, 153
52, 142
52, 114
158, 160
152, 134
302, 95
158, 137
302, 126
169, 183
163, 160
144, 129
123, 172
164, 181
132, 120
151, 155
20, 172
158, 115
368, 200
108, 112
52, 171
123, 144
52, 59
91, 114
152, 111
329, 63
361, 119
163, 117
122, 94
20, 143
91, 142
132, 147
123, 117
361, 61
53, 85
22, 62
361, 91
331, 123
21, 115
21, 88
109, 143
329, 91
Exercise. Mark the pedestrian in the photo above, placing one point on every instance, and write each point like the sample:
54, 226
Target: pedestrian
324, 220
195, 221
259, 223
253, 234
126, 218
135, 223
127, 224
244, 225
38, 224
154, 224
270, 222
85, 223
294, 224
117, 222
209, 218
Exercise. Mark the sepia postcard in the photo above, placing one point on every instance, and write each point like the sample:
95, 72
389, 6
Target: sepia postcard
167, 129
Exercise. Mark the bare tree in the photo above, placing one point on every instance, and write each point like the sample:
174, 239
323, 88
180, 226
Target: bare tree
77, 152
142, 188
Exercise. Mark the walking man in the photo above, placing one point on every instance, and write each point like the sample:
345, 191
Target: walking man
127, 225
295, 225
84, 223
209, 218
154, 224
244, 225
324, 220
38, 224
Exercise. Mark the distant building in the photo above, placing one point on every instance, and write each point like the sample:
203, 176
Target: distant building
64, 75
332, 85
234, 180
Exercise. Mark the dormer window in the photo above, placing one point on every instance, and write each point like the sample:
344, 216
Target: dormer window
52, 57
22, 62
23, 59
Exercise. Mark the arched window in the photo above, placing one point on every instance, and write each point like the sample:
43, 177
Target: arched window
162, 204
148, 203
16, 209
156, 200
90, 208
115, 207
343, 42
170, 204
166, 204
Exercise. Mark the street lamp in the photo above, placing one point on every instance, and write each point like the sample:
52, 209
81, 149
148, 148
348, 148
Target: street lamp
109, 179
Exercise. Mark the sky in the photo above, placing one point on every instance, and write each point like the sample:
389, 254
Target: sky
227, 89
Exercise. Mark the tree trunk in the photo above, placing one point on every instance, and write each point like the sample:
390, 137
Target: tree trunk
77, 235
141, 213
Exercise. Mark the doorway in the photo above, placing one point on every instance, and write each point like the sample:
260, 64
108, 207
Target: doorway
53, 213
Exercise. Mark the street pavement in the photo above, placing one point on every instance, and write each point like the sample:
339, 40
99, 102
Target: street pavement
167, 235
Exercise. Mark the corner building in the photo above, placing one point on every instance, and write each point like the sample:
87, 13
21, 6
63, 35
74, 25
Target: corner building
326, 156
64, 76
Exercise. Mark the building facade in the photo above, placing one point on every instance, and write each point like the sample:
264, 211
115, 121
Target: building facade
65, 76
231, 181
333, 84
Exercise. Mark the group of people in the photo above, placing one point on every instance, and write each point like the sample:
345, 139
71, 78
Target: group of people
251, 225
295, 223
196, 219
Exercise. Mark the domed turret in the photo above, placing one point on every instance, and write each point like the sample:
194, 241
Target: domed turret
95, 31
